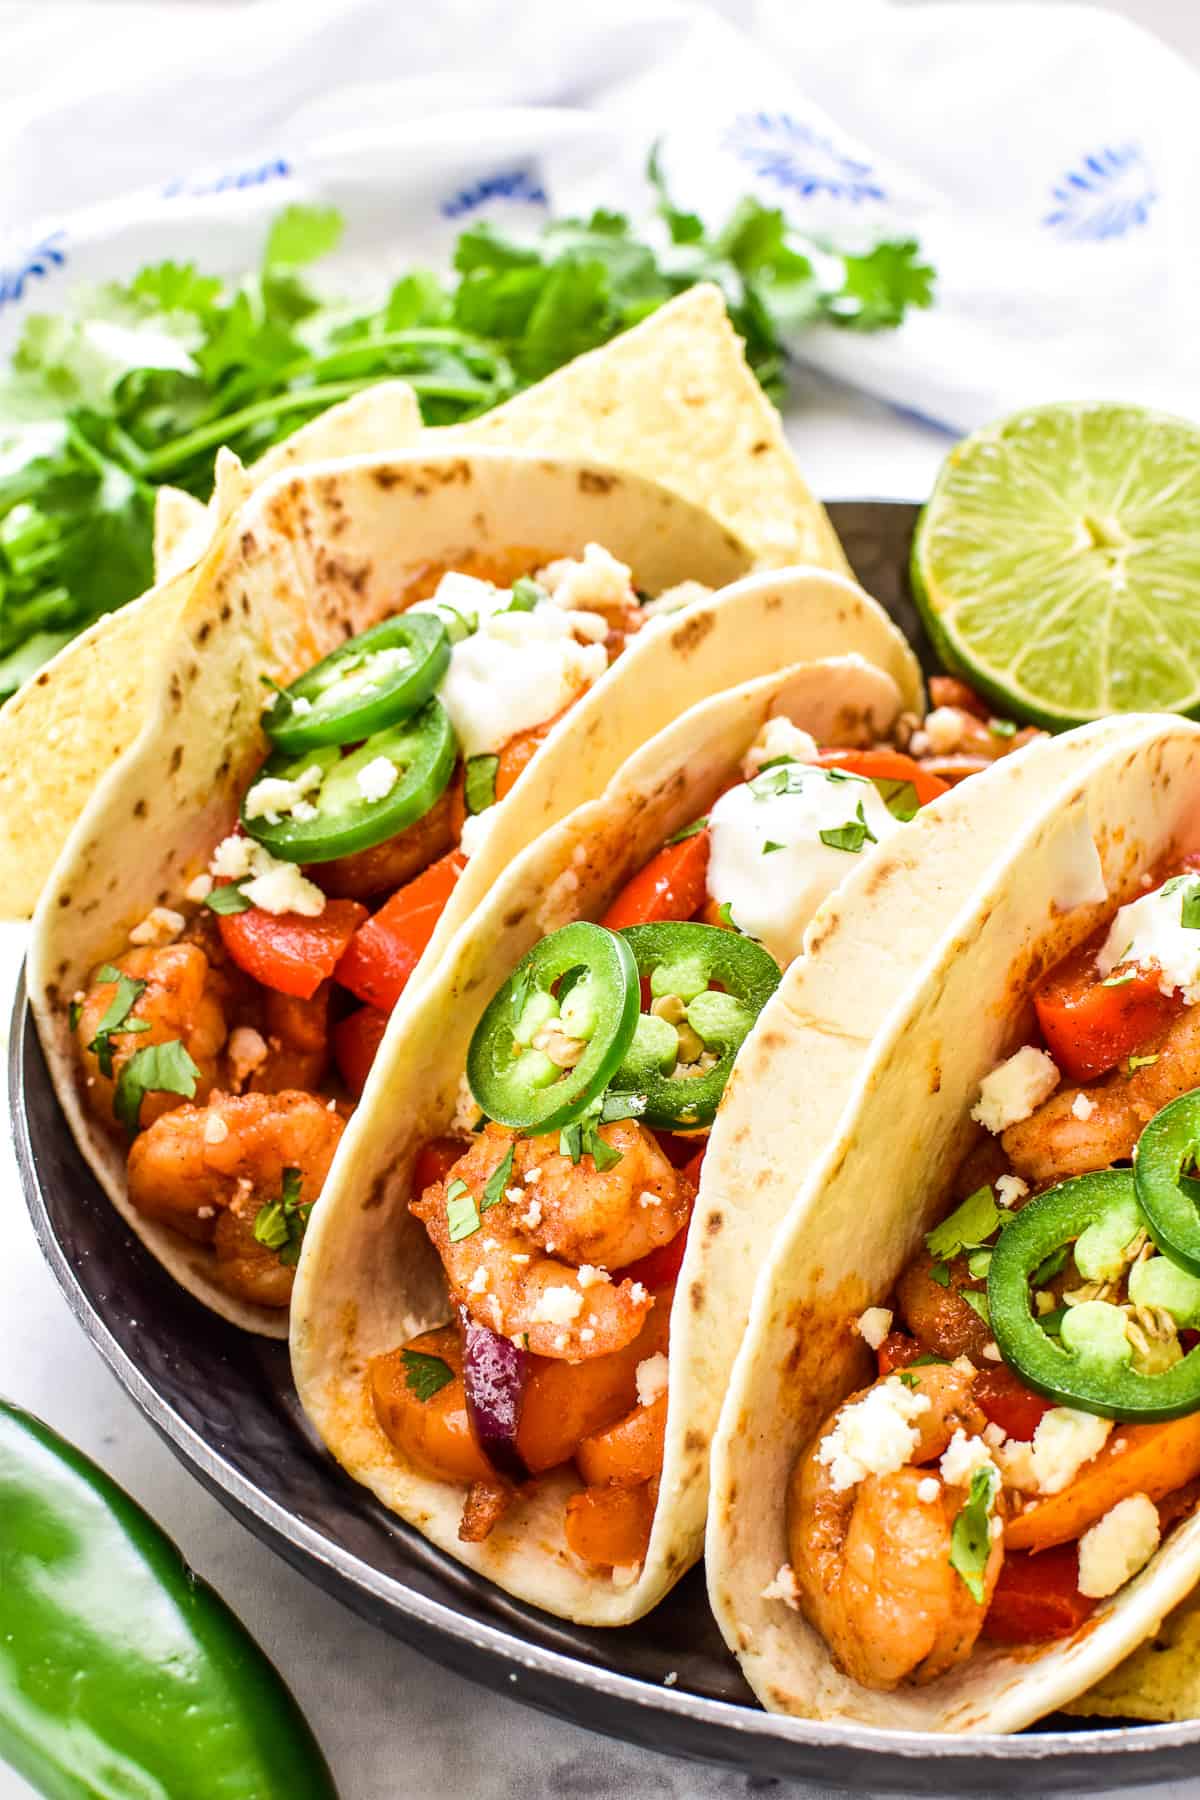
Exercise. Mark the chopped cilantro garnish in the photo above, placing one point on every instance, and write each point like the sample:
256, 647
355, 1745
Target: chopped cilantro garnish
74, 1014
900, 797
968, 1227
1119, 980
688, 831
1140, 1062
907, 1380
156, 1069
971, 1535
280, 1224
1189, 911
725, 914
570, 1141
228, 898
940, 1273
978, 1264
462, 1214
116, 1017
977, 1303
497, 1181
621, 1106
581, 1138
771, 845
850, 837
425, 1375
1002, 728
480, 784
602, 1153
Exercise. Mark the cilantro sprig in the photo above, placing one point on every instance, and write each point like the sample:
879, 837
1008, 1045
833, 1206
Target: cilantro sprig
971, 1533
280, 1224
425, 1374
98, 418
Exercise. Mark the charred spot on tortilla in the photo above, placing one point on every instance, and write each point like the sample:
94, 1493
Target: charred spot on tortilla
591, 481
176, 761
714, 1223
695, 1442
377, 1192
139, 809
386, 478
696, 1295
935, 1078
205, 632
512, 919
688, 637
64, 899
249, 544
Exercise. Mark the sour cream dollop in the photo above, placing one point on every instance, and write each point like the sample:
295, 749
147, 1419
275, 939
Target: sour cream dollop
1151, 933
769, 862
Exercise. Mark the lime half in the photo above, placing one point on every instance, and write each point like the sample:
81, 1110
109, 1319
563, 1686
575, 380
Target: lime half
1057, 563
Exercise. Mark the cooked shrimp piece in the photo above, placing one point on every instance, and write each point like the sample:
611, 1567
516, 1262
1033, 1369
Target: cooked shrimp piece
1053, 1143
938, 1316
398, 860
244, 1267
297, 1038
177, 1004
872, 1562
515, 1275
196, 1162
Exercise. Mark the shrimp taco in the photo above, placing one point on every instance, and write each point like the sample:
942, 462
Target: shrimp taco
956, 1473
437, 658
518, 1305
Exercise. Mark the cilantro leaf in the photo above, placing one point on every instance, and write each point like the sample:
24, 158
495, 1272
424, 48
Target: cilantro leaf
689, 831
770, 845
229, 898
462, 1214
851, 836
1189, 910
301, 235
971, 1534
968, 1227
900, 797
116, 1018
497, 1181
280, 1224
155, 1069
425, 1375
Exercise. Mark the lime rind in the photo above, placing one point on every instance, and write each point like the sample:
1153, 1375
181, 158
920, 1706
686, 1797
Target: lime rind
1057, 563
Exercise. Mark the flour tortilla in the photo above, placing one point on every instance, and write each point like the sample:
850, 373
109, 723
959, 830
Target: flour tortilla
673, 400
368, 1279
323, 553
891, 1143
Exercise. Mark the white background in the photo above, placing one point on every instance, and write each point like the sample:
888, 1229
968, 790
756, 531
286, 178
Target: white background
394, 1726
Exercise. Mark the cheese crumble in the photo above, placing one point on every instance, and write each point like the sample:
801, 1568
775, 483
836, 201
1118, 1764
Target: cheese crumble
652, 1376
783, 1586
779, 737
1009, 1189
1015, 1089
376, 779
962, 1456
873, 1436
1063, 1442
559, 1306
1117, 1546
874, 1325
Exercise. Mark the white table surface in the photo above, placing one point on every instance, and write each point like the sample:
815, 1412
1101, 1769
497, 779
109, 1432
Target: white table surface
394, 1726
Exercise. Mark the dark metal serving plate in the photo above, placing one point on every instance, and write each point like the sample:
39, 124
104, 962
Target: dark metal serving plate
224, 1402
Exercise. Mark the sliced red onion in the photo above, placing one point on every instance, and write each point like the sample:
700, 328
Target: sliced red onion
495, 1371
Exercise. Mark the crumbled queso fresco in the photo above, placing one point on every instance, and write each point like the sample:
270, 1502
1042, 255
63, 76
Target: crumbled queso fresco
1063, 1441
874, 1435
652, 1376
1117, 1546
276, 886
1015, 1089
1150, 932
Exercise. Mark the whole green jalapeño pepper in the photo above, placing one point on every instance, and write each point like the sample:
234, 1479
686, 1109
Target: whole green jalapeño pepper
554, 1035
713, 982
1170, 1199
339, 814
120, 1673
1090, 1366
369, 682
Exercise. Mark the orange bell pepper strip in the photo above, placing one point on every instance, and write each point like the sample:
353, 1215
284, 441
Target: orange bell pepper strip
627, 1453
886, 765
1137, 1459
611, 1525
288, 951
383, 953
671, 886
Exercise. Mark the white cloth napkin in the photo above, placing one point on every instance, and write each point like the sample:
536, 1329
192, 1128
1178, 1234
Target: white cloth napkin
1047, 157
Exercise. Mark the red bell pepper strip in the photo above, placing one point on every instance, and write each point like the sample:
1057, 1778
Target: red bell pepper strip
1007, 1402
384, 952
1037, 1598
1088, 1027
287, 951
356, 1038
435, 1161
670, 887
886, 765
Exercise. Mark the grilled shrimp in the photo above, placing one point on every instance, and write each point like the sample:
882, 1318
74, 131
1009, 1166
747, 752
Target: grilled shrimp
1053, 1143
207, 1170
535, 1267
398, 860
872, 1562
297, 1039
178, 1003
